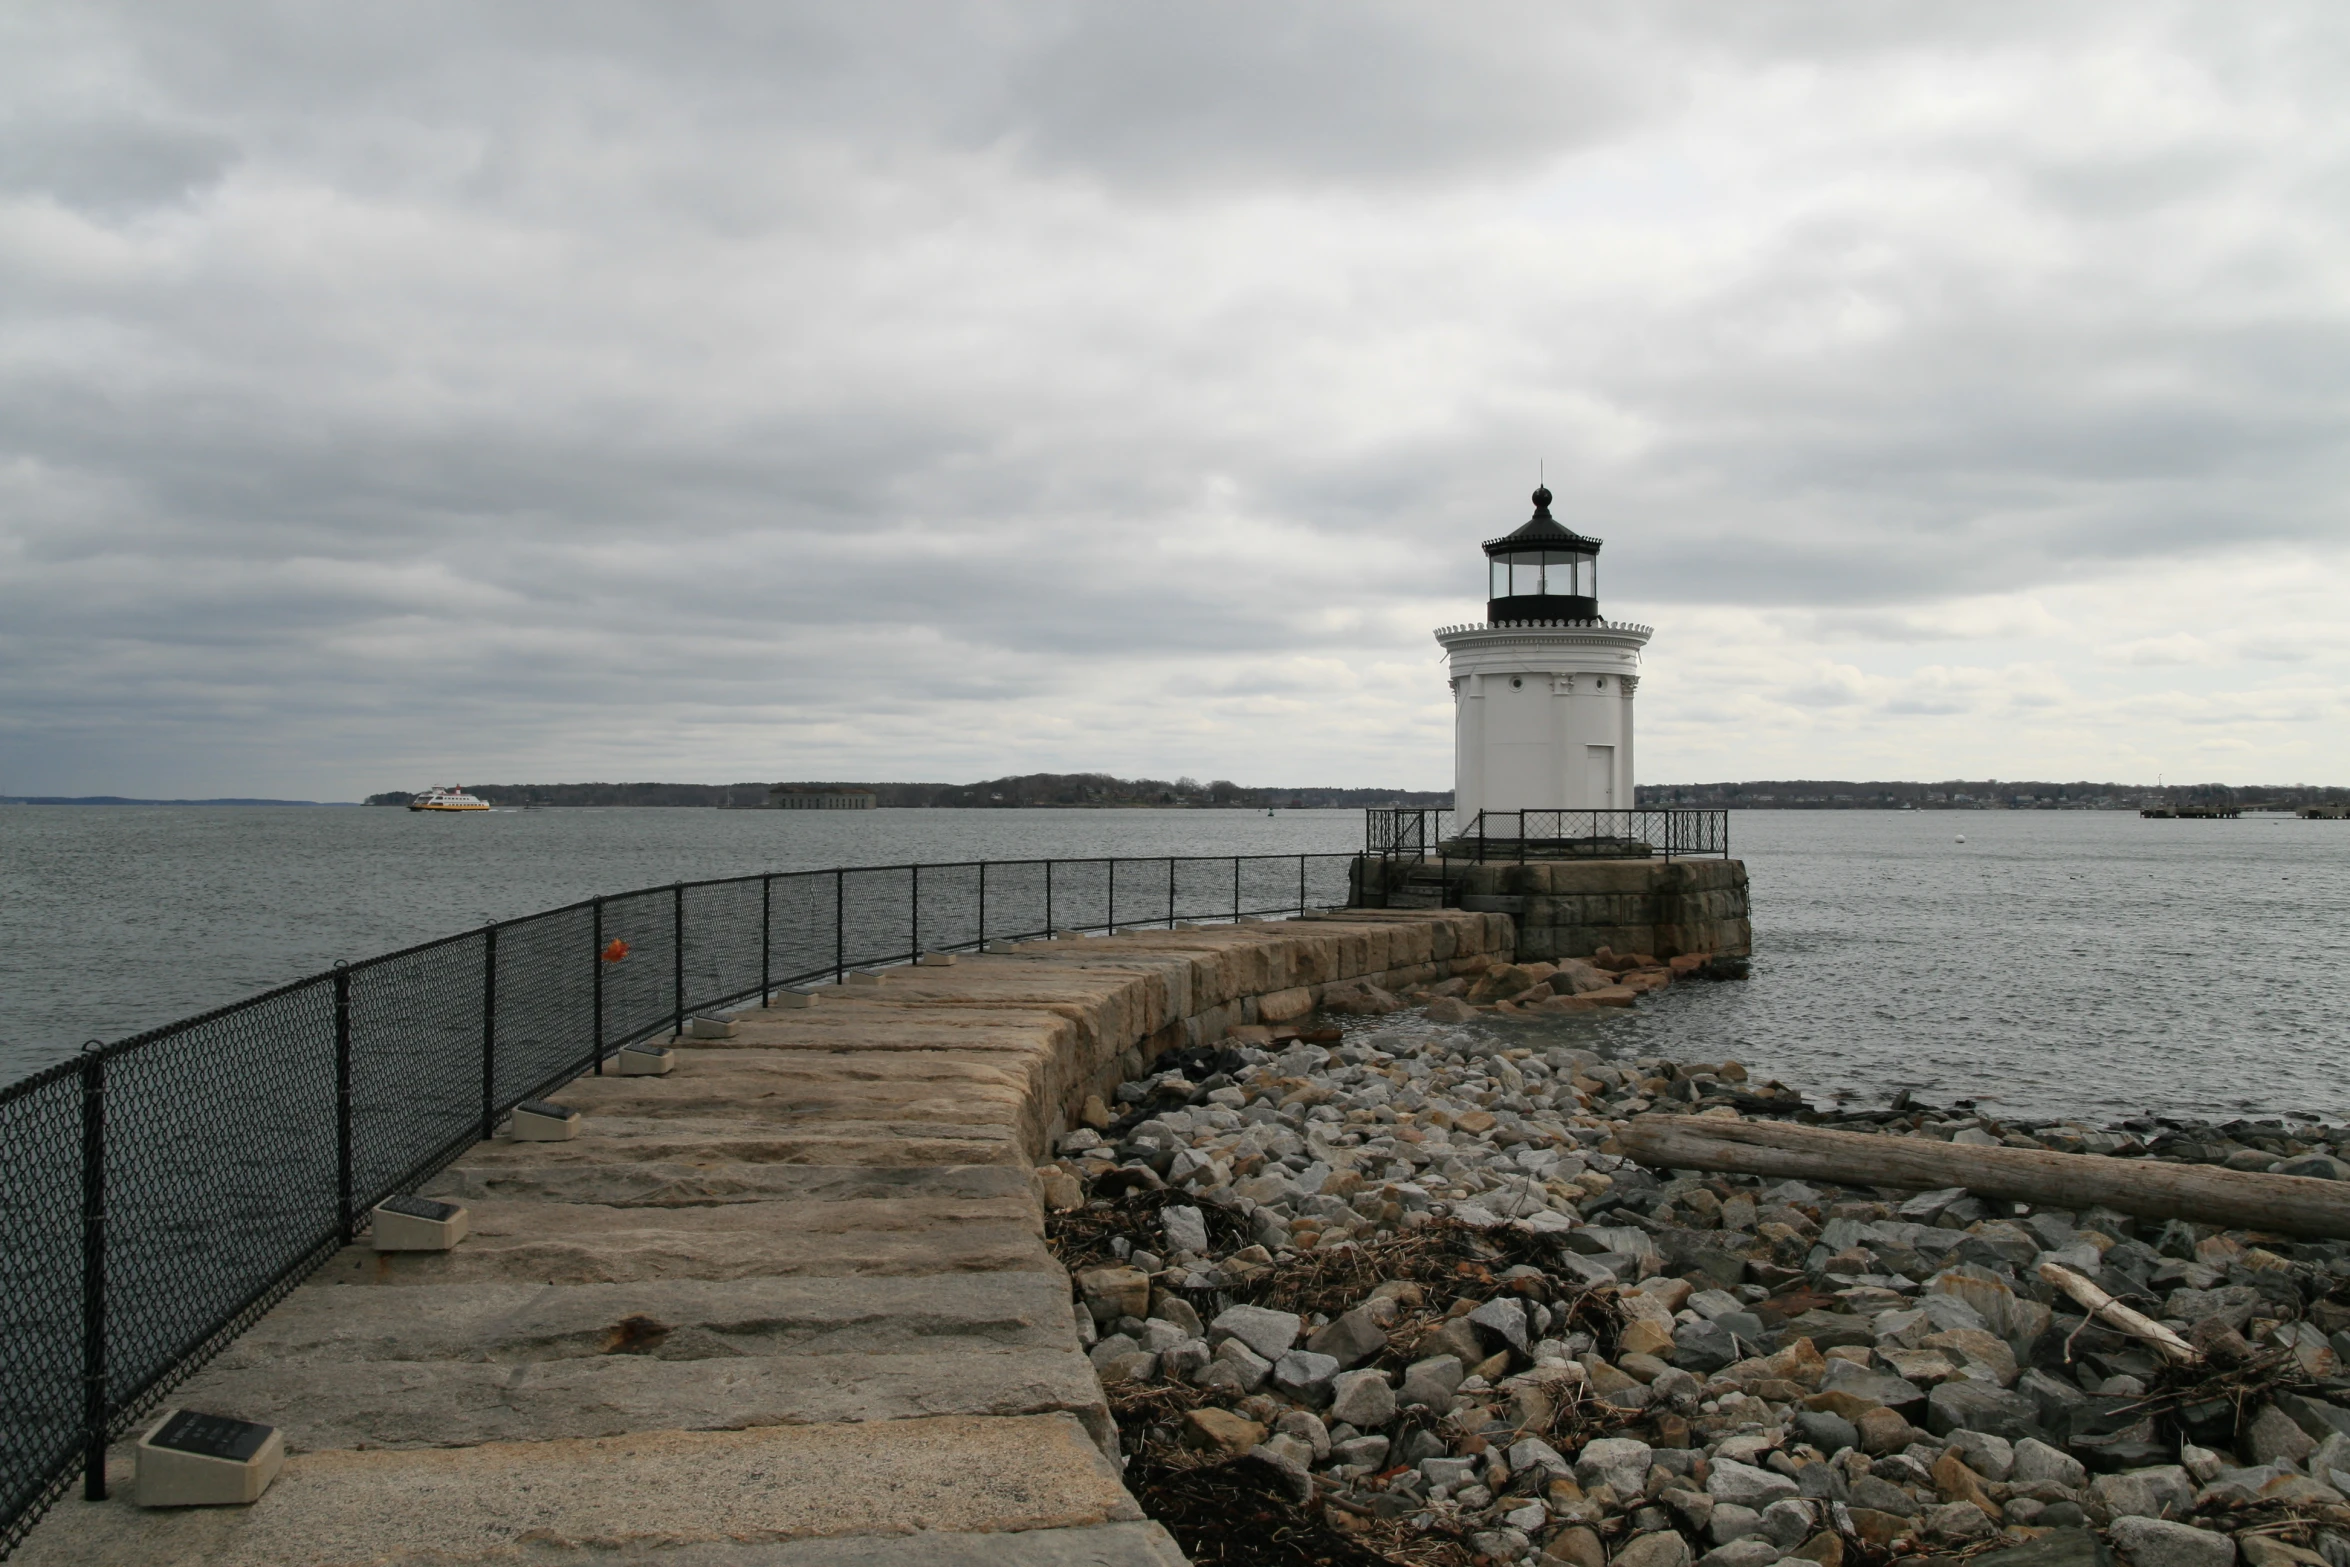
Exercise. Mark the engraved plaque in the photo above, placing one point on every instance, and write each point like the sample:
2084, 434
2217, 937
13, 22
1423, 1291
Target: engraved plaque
211, 1436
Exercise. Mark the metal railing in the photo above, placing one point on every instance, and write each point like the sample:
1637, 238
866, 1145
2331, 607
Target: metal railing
1403, 832
1417, 833
160, 1193
1673, 834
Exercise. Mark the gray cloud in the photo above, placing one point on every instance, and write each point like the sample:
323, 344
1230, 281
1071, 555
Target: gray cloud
938, 390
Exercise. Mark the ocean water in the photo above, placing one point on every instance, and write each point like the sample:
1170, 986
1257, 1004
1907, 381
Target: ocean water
2088, 963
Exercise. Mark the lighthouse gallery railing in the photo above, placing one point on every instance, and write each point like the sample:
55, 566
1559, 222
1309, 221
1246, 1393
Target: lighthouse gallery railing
159, 1193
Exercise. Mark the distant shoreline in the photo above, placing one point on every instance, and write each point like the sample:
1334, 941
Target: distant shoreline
117, 799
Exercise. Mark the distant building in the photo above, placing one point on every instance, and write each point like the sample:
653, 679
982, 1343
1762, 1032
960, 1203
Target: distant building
782, 799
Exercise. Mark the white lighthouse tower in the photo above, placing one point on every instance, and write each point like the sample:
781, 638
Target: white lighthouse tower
1542, 692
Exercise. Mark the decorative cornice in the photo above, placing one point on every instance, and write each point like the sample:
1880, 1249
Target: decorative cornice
1549, 631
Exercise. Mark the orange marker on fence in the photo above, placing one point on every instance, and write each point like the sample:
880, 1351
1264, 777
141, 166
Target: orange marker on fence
615, 950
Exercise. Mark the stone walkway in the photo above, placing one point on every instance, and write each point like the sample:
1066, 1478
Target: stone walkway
789, 1305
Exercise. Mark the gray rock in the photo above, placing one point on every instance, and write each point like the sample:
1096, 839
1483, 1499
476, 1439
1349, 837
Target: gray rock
1788, 1524
1754, 1552
1505, 1317
1744, 1485
1732, 1522
1704, 1346
1432, 1382
1618, 1462
2125, 1496
1978, 1406
1294, 1474
1957, 1522
1531, 1452
1354, 1337
2155, 1542
1904, 1398
1305, 1374
1362, 1399
1829, 1432
1269, 1333
1881, 1495
2068, 1547
2274, 1438
1308, 1429
1186, 1359
1249, 1366
1368, 1451
2043, 1464
1447, 1471
1664, 1548
1186, 1228
1992, 1457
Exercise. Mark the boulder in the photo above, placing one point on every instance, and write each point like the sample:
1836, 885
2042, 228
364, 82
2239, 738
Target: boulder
1978, 1406
1618, 1462
1186, 1228
1432, 1382
1744, 1485
2036, 1463
1662, 1548
1269, 1333
1220, 1431
2156, 1542
1362, 1399
1353, 1338
1111, 1293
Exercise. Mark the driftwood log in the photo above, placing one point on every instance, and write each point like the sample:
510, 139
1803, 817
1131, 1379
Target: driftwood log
2136, 1323
2237, 1199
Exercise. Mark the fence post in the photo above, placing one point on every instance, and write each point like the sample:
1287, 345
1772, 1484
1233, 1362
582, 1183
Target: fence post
343, 1141
489, 1032
1301, 884
93, 1273
914, 910
1236, 889
1049, 931
1170, 892
840, 939
677, 959
983, 905
596, 945
1110, 898
766, 931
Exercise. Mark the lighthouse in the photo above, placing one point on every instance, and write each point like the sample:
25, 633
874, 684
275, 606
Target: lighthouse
1542, 691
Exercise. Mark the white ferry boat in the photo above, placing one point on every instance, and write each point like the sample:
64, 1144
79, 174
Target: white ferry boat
450, 799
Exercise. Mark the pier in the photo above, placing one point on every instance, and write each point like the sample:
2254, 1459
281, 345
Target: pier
787, 1304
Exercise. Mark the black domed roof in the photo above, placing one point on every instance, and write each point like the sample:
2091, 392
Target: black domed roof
1540, 531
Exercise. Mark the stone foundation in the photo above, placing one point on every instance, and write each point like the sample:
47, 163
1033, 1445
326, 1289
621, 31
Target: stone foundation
1572, 908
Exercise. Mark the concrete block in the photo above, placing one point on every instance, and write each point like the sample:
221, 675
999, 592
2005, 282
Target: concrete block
648, 1060
791, 1000
936, 960
190, 1459
538, 1121
417, 1224
861, 977
709, 1028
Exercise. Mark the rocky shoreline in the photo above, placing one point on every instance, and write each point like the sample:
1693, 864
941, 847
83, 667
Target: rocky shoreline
1383, 1287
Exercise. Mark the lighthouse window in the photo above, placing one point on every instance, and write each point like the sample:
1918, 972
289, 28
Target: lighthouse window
1501, 578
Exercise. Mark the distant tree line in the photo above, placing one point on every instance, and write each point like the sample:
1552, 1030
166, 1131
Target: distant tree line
1027, 789
1815, 794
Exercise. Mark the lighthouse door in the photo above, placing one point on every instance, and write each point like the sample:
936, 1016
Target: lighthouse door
1599, 777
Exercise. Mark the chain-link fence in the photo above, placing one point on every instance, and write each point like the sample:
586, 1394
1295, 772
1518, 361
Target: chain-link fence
158, 1194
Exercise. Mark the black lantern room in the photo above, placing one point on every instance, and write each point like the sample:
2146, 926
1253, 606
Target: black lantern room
1544, 571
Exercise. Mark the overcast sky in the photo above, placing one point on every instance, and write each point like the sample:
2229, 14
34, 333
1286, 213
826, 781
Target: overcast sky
397, 394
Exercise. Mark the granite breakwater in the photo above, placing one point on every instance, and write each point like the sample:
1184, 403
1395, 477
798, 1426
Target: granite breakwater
1382, 1278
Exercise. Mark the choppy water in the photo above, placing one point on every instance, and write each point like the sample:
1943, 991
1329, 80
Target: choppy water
2091, 963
